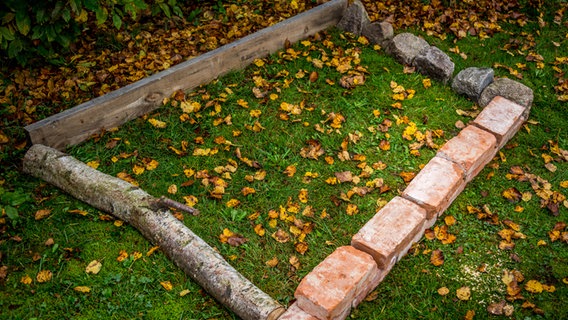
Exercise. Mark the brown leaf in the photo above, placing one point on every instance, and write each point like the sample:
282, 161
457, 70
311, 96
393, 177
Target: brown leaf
345, 176
437, 258
281, 236
236, 240
512, 194
313, 150
42, 214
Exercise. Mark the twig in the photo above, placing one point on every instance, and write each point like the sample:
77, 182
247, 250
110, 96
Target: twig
169, 203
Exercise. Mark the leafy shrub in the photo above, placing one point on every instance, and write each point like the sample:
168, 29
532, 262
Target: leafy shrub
29, 28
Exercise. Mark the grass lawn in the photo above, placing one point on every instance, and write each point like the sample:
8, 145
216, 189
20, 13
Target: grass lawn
286, 160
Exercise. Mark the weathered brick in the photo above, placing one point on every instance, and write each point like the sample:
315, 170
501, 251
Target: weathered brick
503, 118
472, 149
333, 287
296, 313
436, 186
391, 232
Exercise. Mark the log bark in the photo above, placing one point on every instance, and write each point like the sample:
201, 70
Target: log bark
133, 205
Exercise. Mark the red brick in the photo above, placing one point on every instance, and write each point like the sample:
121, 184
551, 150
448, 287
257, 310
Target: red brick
333, 286
472, 149
296, 313
391, 232
501, 117
436, 186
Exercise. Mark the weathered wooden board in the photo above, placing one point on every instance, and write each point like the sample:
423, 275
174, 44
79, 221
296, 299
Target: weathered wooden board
77, 124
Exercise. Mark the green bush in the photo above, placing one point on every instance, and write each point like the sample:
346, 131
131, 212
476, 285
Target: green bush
29, 28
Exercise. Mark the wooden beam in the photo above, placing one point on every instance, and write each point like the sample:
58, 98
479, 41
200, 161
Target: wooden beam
77, 124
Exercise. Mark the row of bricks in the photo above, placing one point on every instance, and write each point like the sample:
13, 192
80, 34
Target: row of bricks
344, 278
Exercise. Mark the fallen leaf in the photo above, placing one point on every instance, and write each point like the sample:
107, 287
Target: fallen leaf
281, 236
82, 289
290, 171
122, 255
512, 194
26, 280
463, 293
443, 291
42, 214
272, 262
437, 258
167, 285
94, 267
533, 286
294, 262
157, 123
44, 276
184, 292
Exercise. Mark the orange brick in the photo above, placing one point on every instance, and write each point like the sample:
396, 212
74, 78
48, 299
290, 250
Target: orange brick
338, 283
391, 232
436, 186
472, 149
296, 313
501, 117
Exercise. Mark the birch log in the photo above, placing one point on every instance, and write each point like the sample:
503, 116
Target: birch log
133, 205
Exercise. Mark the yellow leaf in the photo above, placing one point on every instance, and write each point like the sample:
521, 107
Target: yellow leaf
94, 164
290, 171
384, 145
94, 267
272, 262
352, 209
533, 286
184, 292
77, 211
258, 62
426, 83
259, 229
189, 107
190, 200
152, 250
122, 255
247, 190
301, 247
233, 203
172, 189
449, 220
303, 195
443, 291
167, 285
273, 96
44, 276
255, 113
118, 223
26, 280
463, 293
137, 255
138, 170
564, 184
151, 165
157, 123
82, 289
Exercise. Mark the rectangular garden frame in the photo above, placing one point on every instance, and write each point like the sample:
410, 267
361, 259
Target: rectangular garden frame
375, 250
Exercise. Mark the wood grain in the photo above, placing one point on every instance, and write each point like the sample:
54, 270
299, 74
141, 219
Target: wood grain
77, 124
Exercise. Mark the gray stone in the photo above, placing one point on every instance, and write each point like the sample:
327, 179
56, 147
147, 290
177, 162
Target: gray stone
434, 63
378, 32
405, 46
508, 89
471, 81
354, 18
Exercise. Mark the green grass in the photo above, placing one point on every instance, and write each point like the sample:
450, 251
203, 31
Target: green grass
132, 289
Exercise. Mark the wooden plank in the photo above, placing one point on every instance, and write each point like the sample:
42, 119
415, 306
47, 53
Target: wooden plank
77, 124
